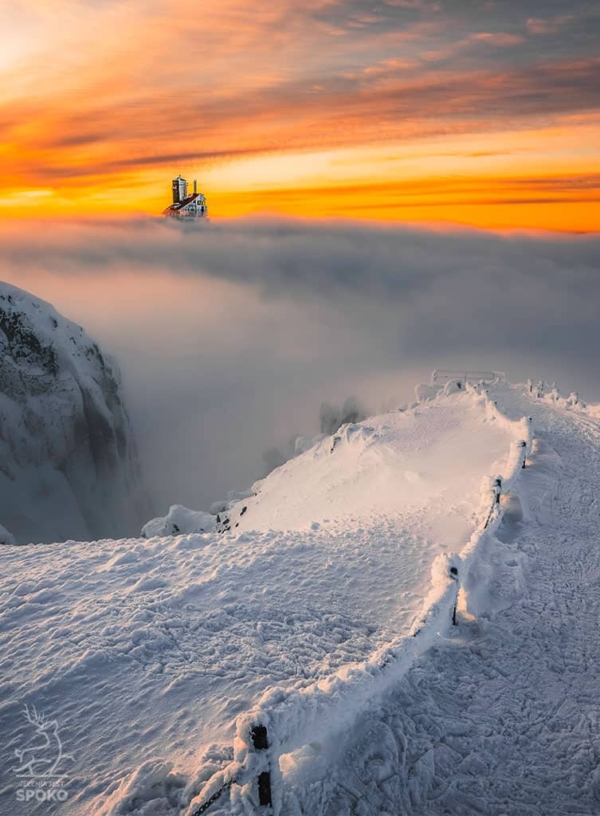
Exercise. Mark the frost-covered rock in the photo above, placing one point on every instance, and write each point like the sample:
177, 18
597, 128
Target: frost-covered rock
68, 462
425, 392
179, 520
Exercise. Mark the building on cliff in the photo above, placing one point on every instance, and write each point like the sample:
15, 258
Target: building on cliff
184, 205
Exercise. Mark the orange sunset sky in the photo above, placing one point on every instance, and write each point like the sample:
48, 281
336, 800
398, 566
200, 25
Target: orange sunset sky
465, 111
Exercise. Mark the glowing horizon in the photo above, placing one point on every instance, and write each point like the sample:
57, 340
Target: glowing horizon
408, 110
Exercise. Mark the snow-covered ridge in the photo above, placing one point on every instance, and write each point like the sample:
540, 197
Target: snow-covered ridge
68, 463
300, 618
362, 472
495, 718
296, 718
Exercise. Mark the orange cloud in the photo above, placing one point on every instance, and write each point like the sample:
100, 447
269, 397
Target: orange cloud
102, 104
499, 38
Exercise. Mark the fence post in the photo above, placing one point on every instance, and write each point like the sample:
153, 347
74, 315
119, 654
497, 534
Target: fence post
523, 445
497, 489
454, 575
260, 742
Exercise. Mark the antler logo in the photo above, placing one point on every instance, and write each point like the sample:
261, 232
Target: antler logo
42, 758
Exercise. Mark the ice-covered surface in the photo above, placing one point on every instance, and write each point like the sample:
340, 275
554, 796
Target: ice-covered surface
68, 464
146, 651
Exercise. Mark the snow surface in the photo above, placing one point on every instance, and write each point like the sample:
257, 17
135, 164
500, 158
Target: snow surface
501, 717
146, 652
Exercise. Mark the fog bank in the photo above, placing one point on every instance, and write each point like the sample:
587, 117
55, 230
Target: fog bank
231, 334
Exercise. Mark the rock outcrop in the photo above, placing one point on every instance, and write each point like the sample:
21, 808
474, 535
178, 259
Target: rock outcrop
68, 460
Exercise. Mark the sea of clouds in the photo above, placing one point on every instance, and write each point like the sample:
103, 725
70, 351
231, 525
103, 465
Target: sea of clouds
230, 334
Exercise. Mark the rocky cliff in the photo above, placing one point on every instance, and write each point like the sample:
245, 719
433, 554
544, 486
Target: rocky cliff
68, 461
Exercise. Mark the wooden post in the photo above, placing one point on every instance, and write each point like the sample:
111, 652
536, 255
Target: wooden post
260, 742
454, 574
498, 489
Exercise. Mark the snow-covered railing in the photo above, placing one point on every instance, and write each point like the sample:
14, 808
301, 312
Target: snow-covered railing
285, 720
291, 718
441, 376
492, 495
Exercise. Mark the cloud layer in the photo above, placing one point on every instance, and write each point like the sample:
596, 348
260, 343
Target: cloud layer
230, 335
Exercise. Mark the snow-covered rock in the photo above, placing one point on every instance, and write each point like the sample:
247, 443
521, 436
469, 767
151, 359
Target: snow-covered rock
5, 536
179, 521
68, 462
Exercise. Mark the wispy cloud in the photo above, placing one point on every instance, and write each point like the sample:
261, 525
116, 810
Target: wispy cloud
97, 96
548, 25
499, 38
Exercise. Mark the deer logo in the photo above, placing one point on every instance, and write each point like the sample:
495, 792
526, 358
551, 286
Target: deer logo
44, 756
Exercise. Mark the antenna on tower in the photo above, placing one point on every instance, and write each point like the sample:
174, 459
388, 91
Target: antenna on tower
195, 186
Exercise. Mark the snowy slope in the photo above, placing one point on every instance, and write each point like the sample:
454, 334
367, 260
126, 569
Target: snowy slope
502, 716
68, 464
146, 651
425, 464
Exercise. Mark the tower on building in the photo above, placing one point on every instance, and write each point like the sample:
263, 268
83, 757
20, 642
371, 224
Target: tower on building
179, 189
184, 205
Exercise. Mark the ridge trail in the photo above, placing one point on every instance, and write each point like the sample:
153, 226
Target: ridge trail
502, 717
